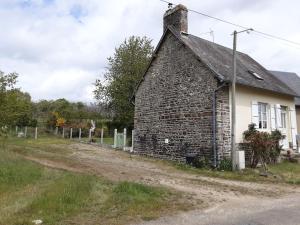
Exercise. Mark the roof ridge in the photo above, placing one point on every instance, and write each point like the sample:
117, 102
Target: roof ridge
286, 72
214, 43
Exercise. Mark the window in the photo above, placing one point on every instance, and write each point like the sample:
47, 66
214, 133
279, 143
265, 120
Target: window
283, 115
256, 75
262, 116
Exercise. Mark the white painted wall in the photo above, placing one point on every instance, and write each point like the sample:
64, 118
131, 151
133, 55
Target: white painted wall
244, 98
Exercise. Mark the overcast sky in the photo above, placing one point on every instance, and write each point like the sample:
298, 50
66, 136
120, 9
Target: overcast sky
59, 47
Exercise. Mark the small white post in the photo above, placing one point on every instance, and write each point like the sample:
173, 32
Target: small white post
79, 133
17, 130
132, 139
115, 138
90, 135
71, 133
124, 138
56, 130
25, 132
36, 134
101, 140
63, 132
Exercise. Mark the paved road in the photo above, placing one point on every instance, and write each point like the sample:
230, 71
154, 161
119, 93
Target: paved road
283, 211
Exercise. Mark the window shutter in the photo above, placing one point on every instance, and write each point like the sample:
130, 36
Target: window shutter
255, 113
273, 117
293, 126
278, 116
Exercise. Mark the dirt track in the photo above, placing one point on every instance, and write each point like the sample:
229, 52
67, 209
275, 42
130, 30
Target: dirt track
213, 193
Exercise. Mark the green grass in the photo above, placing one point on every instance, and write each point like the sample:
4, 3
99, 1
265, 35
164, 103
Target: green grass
137, 200
16, 173
284, 172
289, 172
29, 191
107, 140
62, 197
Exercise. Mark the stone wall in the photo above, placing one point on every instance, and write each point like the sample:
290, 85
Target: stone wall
223, 123
174, 104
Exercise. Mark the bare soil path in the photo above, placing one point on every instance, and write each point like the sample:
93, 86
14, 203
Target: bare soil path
219, 198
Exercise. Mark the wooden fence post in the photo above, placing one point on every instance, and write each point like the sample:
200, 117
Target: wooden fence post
36, 133
71, 133
79, 134
115, 138
101, 140
63, 132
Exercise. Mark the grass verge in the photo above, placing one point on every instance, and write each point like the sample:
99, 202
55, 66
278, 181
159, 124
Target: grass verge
284, 172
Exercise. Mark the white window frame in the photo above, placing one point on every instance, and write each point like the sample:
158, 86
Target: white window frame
283, 111
262, 116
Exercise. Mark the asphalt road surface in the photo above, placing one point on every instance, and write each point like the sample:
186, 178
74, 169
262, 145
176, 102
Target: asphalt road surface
282, 211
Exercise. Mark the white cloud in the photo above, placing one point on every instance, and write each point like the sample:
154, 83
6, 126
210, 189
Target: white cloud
59, 48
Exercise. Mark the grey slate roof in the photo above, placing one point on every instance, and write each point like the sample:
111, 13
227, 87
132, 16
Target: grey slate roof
292, 80
219, 59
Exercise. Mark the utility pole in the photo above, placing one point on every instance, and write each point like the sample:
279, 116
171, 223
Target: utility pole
233, 105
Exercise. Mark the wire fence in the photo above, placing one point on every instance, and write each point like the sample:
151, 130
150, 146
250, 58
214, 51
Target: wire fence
114, 138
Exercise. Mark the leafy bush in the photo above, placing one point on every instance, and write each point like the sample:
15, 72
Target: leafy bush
265, 147
225, 164
200, 162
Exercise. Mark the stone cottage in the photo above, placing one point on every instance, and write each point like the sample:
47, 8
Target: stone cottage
182, 104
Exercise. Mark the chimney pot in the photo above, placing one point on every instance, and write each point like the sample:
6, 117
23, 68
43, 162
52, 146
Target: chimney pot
177, 17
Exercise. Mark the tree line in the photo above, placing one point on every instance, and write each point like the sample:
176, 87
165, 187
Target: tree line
18, 109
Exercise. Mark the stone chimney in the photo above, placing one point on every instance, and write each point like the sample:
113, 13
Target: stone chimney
177, 17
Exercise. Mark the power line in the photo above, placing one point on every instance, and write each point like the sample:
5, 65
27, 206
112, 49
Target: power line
237, 25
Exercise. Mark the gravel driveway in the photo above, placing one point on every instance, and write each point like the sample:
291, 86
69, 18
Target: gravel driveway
222, 201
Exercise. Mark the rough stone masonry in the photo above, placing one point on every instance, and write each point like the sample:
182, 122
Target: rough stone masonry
174, 101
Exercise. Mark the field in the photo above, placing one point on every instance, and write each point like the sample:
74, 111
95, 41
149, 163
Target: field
30, 191
60, 181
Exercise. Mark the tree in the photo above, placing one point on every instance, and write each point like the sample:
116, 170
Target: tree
125, 70
15, 105
7, 83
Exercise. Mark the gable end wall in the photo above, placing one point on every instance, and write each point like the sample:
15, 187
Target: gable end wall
174, 102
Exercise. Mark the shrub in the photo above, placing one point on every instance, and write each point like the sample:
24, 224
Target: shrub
225, 164
200, 162
265, 147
